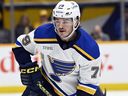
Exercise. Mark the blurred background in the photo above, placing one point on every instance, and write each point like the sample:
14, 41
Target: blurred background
105, 20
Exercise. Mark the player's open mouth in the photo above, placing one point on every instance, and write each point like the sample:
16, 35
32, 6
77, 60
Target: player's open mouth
62, 31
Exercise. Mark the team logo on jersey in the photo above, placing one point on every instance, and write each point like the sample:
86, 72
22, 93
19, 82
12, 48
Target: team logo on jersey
55, 77
61, 68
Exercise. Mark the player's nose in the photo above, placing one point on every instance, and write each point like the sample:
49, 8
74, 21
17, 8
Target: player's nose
60, 25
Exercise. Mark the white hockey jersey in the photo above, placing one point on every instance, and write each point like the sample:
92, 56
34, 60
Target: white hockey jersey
68, 66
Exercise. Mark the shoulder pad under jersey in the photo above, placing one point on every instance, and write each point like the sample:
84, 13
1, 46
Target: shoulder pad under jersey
45, 34
87, 46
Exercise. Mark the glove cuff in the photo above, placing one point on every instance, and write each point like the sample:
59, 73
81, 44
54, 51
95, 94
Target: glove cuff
29, 68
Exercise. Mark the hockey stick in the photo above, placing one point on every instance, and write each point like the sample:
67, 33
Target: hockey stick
43, 89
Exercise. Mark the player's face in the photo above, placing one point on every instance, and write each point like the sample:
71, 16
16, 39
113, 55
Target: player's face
64, 26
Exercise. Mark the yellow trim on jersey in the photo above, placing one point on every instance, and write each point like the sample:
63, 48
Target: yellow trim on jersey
86, 89
82, 51
46, 40
55, 89
58, 92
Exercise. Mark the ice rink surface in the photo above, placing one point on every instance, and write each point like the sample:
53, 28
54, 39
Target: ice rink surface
109, 93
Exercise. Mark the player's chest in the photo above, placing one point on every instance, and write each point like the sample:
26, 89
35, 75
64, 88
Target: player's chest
55, 51
58, 61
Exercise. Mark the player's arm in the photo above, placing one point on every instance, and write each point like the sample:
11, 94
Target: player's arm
89, 79
24, 48
30, 73
89, 61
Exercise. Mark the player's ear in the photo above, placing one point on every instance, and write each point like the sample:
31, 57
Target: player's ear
77, 21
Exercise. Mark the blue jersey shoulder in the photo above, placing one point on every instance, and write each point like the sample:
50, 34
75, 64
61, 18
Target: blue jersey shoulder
45, 33
87, 46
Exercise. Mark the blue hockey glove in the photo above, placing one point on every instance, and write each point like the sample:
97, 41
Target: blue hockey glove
31, 77
29, 73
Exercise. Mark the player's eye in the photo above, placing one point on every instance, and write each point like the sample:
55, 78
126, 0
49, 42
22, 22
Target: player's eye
57, 21
68, 20
63, 21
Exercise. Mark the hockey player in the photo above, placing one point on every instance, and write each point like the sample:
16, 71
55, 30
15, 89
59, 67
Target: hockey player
70, 57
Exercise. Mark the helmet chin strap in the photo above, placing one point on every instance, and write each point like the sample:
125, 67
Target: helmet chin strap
69, 37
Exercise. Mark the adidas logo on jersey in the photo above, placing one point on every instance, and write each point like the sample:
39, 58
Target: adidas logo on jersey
47, 48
